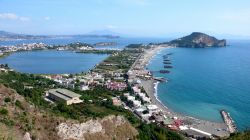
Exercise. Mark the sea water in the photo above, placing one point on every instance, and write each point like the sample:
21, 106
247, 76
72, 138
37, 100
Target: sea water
204, 81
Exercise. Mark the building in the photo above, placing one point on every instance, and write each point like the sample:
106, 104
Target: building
136, 89
116, 101
116, 86
64, 95
136, 103
152, 108
84, 87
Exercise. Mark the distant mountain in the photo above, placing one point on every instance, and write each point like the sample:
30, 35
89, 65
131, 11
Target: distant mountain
105, 33
198, 40
94, 36
5, 36
8, 36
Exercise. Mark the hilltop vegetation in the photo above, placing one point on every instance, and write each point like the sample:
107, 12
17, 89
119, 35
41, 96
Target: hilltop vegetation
240, 136
121, 60
198, 40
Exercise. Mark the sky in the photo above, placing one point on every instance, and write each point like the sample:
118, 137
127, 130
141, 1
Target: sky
146, 18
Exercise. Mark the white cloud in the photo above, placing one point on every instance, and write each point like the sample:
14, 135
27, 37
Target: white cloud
24, 18
12, 16
47, 18
111, 27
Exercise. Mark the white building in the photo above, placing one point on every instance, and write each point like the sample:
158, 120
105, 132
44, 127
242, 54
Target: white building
136, 89
84, 87
152, 108
131, 98
136, 103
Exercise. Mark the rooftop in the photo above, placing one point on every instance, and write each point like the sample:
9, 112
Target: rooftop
63, 93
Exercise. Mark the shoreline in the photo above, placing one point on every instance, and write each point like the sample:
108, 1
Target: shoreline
151, 87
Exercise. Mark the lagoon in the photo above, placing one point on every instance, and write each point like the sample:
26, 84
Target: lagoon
52, 61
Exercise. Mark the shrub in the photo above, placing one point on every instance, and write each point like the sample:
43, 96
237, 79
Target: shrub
3, 111
7, 99
19, 104
7, 121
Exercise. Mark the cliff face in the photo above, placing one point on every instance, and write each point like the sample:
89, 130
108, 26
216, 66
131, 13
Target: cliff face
198, 40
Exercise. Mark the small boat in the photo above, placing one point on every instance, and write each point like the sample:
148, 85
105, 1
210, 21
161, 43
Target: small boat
168, 66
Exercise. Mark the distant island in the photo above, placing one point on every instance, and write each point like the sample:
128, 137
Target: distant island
198, 40
106, 44
8, 36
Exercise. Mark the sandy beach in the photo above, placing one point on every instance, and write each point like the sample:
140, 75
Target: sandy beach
150, 86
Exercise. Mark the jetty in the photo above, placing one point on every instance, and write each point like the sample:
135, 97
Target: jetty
229, 121
160, 79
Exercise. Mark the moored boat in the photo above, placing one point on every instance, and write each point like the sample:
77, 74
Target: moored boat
166, 60
168, 66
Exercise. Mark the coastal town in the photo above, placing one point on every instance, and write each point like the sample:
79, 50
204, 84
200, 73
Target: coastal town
76, 47
125, 71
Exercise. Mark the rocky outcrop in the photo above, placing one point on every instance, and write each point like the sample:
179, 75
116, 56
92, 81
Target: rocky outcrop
111, 127
27, 136
198, 40
77, 131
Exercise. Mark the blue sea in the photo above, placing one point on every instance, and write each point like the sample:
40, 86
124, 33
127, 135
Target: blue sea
204, 81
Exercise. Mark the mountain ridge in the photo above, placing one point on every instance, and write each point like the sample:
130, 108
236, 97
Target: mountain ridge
8, 36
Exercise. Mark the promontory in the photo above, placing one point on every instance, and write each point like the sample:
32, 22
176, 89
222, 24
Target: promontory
198, 40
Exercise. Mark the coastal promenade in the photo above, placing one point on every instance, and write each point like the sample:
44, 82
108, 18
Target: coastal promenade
191, 125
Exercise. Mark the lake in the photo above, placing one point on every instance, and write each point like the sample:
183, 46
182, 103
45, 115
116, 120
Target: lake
52, 62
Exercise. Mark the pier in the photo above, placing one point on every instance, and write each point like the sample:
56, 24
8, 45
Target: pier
229, 121
160, 79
